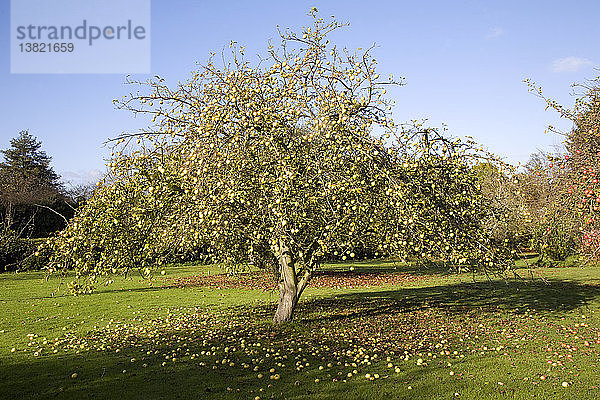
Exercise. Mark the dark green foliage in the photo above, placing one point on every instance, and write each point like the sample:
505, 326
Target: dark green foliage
33, 202
19, 254
24, 159
553, 241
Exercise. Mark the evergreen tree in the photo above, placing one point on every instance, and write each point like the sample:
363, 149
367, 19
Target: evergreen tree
28, 186
28, 168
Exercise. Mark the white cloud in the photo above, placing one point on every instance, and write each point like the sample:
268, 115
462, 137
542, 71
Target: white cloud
494, 33
72, 178
570, 64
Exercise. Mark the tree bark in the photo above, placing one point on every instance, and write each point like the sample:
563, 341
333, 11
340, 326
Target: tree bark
288, 285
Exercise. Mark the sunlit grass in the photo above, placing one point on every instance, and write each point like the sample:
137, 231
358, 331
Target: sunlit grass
445, 336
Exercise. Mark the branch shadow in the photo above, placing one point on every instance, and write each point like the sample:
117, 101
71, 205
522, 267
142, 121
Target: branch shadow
518, 297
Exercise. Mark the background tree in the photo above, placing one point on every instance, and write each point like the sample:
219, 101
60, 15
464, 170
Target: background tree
551, 221
576, 171
25, 158
30, 192
508, 218
279, 165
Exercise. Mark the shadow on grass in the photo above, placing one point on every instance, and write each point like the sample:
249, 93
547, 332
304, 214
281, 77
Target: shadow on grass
553, 296
100, 376
106, 376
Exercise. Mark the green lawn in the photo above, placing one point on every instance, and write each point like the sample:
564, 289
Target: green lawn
380, 331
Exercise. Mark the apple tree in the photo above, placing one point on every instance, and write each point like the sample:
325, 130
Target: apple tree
280, 165
577, 171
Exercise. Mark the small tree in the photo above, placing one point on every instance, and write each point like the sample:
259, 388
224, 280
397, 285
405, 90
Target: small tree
278, 165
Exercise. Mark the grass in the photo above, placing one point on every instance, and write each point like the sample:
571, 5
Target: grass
428, 334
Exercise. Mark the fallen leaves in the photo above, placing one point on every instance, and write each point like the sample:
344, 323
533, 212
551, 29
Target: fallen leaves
371, 336
321, 279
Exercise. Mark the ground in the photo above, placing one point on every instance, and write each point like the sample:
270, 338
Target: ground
365, 330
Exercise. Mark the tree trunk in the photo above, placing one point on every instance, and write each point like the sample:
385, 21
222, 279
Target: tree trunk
288, 286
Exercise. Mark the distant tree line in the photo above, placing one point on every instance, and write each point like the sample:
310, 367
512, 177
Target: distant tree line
33, 201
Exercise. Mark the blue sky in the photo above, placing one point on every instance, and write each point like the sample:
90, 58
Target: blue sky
463, 62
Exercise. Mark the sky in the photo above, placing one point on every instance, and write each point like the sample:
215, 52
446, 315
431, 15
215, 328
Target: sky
463, 64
